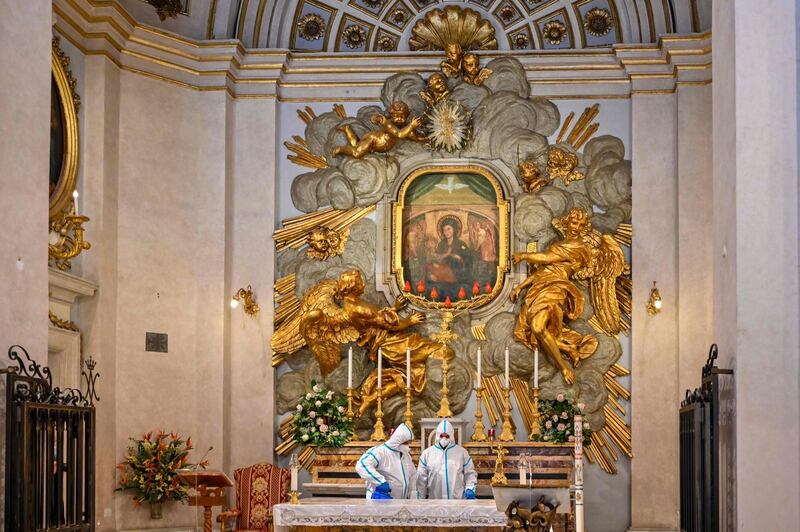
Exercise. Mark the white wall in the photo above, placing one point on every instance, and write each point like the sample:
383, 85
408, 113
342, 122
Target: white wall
25, 33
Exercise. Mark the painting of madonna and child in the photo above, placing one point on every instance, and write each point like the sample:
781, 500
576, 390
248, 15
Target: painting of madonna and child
450, 236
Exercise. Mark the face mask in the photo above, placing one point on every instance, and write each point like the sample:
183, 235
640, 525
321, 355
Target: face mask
444, 442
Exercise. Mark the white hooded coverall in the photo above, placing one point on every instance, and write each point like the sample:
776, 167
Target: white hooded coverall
445, 473
390, 462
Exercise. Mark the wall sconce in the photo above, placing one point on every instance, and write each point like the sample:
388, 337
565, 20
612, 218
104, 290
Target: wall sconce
245, 295
654, 303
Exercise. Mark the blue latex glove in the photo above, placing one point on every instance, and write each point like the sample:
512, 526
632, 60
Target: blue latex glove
469, 494
384, 488
377, 495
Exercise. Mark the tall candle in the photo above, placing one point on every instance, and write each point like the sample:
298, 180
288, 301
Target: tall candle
536, 368
380, 368
508, 382
350, 367
75, 200
523, 471
479, 367
293, 486
408, 368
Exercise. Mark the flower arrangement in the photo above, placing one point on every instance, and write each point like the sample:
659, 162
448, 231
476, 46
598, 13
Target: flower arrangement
557, 421
151, 467
320, 419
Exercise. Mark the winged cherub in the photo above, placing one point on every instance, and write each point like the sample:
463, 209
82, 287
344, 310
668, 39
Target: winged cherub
435, 90
473, 73
551, 296
394, 128
332, 313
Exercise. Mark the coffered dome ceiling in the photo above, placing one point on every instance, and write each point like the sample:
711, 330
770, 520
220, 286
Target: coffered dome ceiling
389, 25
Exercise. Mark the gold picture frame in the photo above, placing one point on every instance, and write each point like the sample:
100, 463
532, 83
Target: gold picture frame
503, 236
64, 116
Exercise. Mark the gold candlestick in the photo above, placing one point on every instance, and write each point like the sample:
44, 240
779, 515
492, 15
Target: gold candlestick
444, 403
535, 431
378, 434
294, 497
477, 428
408, 408
350, 414
507, 434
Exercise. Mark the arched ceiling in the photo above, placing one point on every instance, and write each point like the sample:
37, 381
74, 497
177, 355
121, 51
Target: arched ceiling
386, 25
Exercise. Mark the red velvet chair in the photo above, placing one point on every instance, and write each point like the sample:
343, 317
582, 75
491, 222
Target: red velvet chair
258, 488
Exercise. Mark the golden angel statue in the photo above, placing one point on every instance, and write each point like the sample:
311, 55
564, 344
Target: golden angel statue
552, 297
332, 313
394, 128
435, 90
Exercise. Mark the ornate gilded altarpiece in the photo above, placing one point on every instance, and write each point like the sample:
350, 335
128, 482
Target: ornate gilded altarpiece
437, 199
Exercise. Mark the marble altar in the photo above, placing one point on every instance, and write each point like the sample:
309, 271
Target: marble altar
335, 512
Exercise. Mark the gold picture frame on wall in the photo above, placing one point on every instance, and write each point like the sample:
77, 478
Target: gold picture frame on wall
450, 241
64, 140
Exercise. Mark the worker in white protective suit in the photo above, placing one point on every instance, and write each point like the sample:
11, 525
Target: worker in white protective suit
388, 468
446, 470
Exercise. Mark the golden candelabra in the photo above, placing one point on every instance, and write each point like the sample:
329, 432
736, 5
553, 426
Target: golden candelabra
378, 434
477, 428
66, 245
444, 403
535, 431
408, 408
350, 414
444, 337
507, 433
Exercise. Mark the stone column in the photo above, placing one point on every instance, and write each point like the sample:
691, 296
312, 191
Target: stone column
756, 252
98, 315
654, 365
250, 208
695, 219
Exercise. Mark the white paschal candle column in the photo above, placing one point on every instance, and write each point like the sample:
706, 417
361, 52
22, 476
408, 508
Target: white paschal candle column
579, 526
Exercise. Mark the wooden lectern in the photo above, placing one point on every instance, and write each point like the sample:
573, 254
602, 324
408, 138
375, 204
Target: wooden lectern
209, 491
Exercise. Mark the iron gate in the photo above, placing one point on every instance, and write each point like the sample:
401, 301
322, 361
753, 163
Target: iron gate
50, 449
699, 450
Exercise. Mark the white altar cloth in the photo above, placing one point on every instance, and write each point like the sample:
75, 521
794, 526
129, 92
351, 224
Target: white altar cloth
411, 513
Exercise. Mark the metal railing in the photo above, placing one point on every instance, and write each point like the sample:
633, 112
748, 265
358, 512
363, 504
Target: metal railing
50, 449
700, 450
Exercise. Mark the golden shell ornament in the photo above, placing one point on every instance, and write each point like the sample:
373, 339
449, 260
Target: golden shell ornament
311, 27
555, 32
598, 21
354, 36
454, 24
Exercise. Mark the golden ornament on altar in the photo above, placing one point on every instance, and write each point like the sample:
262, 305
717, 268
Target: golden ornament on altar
395, 127
551, 296
332, 313
324, 243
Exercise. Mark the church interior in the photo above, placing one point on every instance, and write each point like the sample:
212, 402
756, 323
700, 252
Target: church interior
381, 265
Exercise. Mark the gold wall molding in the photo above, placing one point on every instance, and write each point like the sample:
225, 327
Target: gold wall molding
99, 27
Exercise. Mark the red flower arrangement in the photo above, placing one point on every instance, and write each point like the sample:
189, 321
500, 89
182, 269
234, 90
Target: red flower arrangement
151, 467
